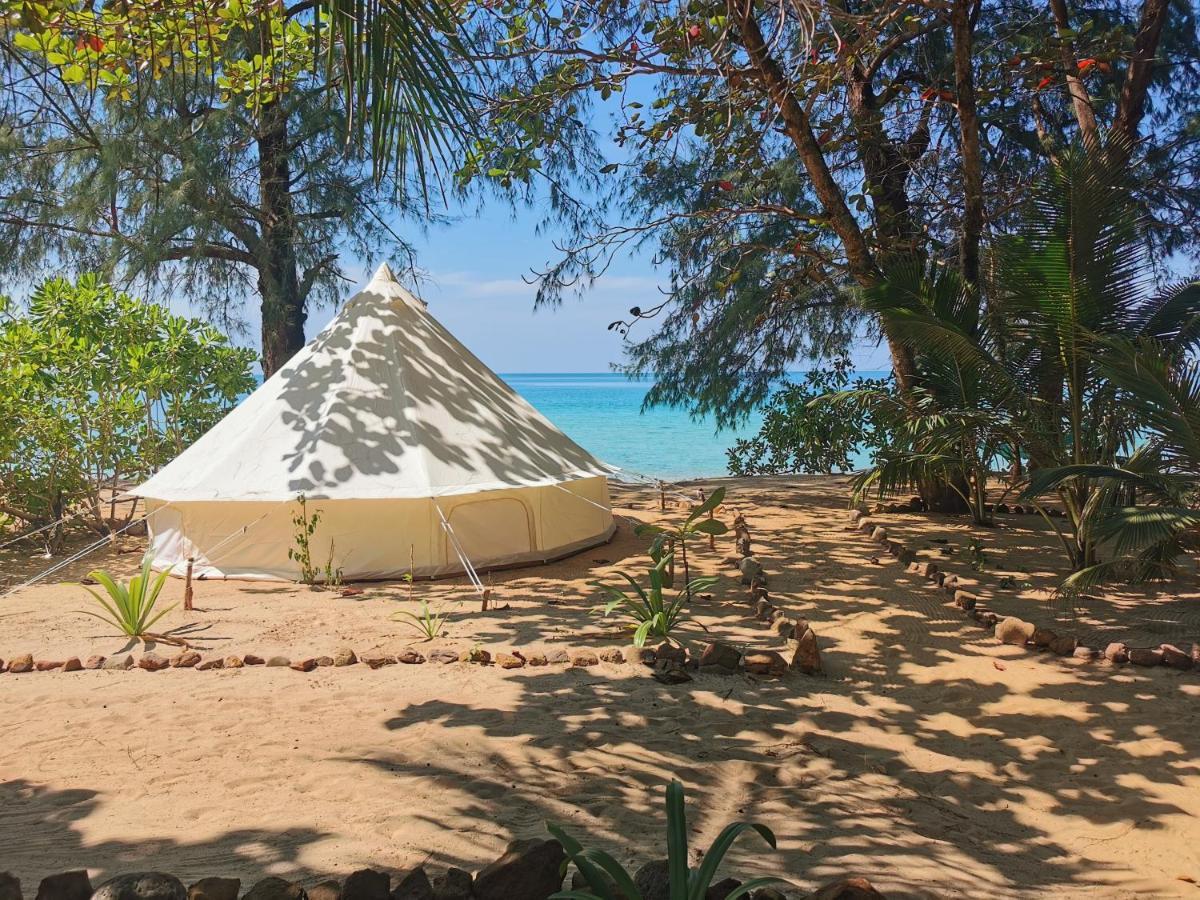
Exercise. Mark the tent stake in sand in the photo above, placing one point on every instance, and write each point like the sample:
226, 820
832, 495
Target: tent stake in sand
187, 587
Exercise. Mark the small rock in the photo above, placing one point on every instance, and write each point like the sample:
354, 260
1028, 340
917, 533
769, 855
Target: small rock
1064, 645
153, 662
583, 658
304, 665
1196, 654
895, 548
234, 662
454, 884
752, 571
1085, 653
671, 652
612, 655
530, 869
906, 557
1141, 656
476, 655
985, 617
324, 662
1117, 653
186, 660
509, 661
855, 516
413, 886
653, 880
443, 656
764, 662
65, 886
278, 662
848, 889
763, 610
807, 658
118, 662
1043, 637
720, 655
950, 584
558, 657
965, 600
646, 656
48, 665
21, 664
142, 886
1175, 658
72, 665
879, 535
326, 890
276, 889
410, 657
210, 664
377, 662
1014, 631
537, 659
10, 886
768, 893
251, 659
215, 889
366, 884
94, 662
784, 627
344, 657
722, 889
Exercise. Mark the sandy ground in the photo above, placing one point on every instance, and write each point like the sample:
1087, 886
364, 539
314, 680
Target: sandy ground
928, 758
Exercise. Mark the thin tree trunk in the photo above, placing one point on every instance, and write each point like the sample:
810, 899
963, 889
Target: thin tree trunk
972, 157
283, 312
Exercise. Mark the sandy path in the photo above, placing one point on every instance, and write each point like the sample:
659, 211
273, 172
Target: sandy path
929, 758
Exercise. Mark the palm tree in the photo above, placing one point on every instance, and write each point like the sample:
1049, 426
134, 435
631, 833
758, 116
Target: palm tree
1059, 292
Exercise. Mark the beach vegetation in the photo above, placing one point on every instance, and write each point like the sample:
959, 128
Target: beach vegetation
130, 608
300, 552
805, 431
607, 879
427, 621
99, 388
649, 611
669, 539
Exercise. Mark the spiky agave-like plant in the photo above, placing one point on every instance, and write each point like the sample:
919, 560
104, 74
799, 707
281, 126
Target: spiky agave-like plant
131, 608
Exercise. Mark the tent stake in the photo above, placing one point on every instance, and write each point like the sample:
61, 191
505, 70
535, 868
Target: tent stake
187, 587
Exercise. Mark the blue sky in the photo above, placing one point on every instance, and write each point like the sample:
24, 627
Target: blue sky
473, 283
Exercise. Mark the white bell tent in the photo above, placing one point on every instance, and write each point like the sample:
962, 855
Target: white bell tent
402, 440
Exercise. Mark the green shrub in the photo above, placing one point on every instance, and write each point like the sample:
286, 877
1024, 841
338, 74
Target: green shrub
648, 611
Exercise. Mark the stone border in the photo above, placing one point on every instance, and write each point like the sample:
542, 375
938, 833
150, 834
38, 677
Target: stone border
1010, 629
530, 869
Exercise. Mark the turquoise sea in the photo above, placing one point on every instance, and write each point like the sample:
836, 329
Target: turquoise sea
603, 413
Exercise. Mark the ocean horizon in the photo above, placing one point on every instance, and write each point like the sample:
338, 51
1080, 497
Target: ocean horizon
602, 411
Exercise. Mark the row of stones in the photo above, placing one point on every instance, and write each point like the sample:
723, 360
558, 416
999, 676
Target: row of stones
806, 654
1016, 631
917, 505
531, 869
190, 659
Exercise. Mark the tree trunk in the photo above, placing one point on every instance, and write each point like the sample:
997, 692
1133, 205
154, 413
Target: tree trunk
968, 122
283, 312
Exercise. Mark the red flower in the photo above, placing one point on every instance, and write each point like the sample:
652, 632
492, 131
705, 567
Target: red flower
694, 31
725, 185
1085, 64
1045, 82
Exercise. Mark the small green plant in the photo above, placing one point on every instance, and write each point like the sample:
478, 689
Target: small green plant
608, 880
301, 553
428, 621
667, 539
131, 609
650, 613
333, 575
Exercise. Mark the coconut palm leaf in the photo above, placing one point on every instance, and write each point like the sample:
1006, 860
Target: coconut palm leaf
397, 63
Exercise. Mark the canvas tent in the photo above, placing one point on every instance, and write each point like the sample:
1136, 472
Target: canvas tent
402, 439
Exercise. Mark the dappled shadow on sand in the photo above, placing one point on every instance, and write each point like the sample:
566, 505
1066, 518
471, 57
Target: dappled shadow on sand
39, 833
928, 757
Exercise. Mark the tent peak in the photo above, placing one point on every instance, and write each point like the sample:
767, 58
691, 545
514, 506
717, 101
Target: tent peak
384, 274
